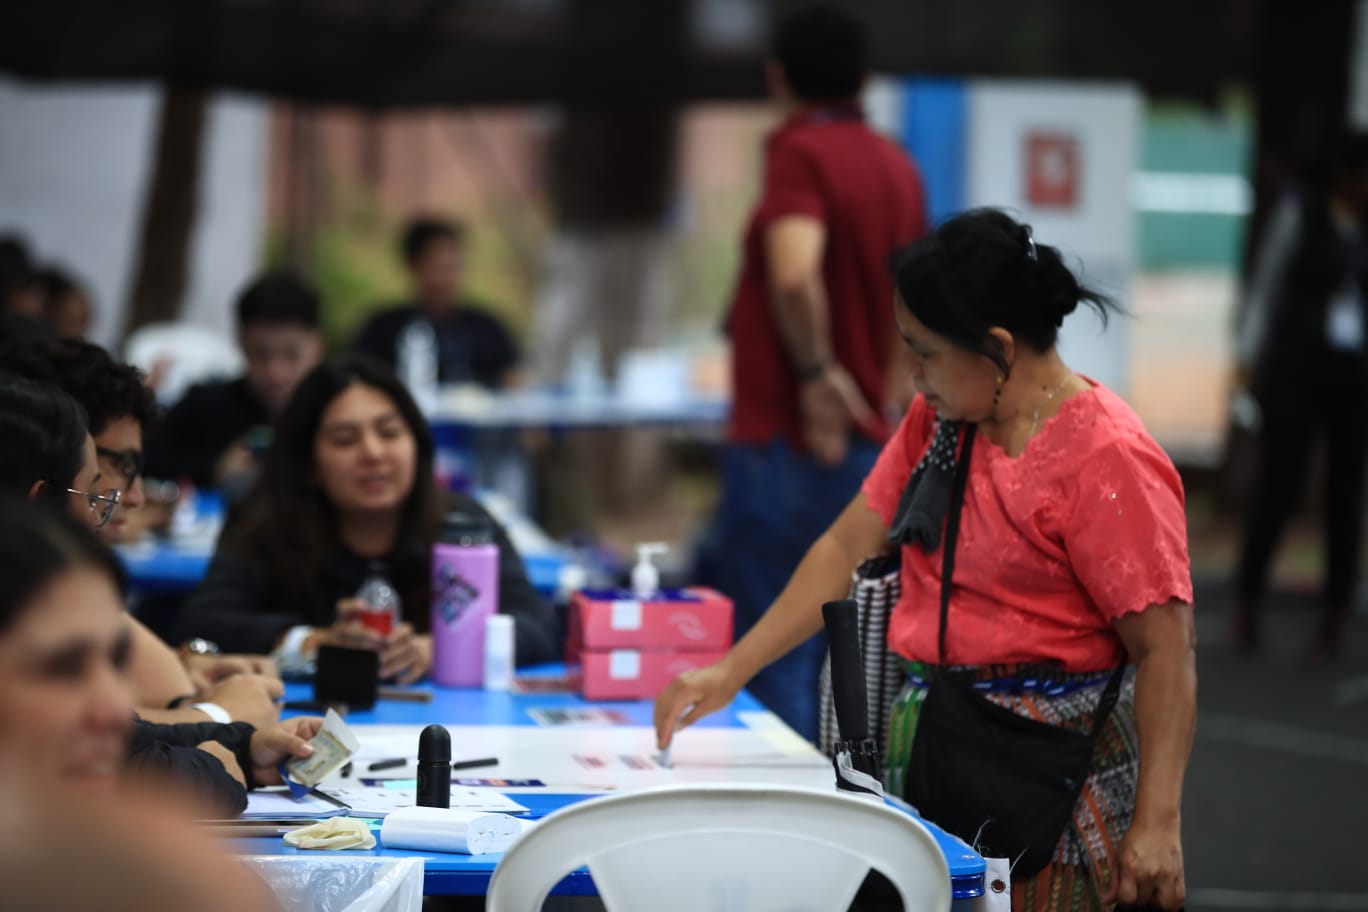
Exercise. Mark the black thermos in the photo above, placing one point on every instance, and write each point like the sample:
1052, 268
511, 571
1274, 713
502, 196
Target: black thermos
434, 767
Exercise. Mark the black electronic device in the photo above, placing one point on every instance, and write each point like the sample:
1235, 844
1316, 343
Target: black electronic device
346, 676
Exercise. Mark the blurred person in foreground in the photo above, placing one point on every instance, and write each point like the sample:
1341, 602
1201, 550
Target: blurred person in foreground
471, 344
52, 463
118, 407
65, 718
216, 435
1072, 565
1302, 351
811, 356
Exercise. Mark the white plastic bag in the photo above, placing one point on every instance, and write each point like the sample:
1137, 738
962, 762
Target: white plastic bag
339, 883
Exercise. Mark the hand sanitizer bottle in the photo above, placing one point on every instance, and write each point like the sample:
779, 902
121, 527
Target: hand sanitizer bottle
645, 576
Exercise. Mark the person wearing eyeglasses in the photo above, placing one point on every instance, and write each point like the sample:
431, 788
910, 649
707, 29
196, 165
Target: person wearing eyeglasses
167, 687
48, 455
49, 460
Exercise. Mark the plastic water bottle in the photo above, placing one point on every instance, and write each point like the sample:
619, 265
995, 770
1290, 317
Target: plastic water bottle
465, 592
498, 652
584, 378
185, 516
382, 610
417, 363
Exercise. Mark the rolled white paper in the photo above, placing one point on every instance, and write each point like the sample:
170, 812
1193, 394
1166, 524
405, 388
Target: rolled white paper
427, 829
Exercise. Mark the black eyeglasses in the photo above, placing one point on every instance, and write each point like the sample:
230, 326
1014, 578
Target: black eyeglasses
128, 462
100, 504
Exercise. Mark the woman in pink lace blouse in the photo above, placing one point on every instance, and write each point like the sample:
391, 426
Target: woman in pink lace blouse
1071, 594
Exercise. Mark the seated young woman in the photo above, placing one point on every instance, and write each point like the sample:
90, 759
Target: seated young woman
65, 716
50, 460
347, 491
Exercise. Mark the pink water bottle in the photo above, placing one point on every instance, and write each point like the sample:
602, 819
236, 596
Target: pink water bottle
465, 591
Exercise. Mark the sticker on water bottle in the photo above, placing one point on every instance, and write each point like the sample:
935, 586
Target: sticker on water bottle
454, 595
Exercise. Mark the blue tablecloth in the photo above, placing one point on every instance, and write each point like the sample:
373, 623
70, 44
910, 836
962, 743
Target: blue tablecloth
451, 874
168, 568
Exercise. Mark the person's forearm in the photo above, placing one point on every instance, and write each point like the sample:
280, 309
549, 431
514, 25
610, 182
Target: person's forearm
172, 716
154, 670
804, 324
1166, 714
796, 615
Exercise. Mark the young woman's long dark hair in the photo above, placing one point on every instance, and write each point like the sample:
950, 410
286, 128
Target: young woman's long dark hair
44, 434
289, 520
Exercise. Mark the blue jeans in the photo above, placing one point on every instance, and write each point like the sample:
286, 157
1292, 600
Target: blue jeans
776, 502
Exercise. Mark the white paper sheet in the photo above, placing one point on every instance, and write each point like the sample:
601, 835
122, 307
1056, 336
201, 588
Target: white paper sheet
276, 802
376, 801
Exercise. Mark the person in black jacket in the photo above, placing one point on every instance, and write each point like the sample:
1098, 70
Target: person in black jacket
65, 704
1303, 348
216, 433
471, 345
347, 492
52, 499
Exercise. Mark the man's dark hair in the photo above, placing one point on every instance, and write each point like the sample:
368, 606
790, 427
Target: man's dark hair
824, 51
58, 283
16, 267
421, 233
278, 297
105, 388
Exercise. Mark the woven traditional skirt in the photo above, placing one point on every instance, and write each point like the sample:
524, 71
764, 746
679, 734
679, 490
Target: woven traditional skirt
1077, 876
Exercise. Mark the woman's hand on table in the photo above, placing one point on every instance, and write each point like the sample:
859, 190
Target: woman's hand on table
691, 696
1149, 867
347, 631
208, 670
406, 656
247, 698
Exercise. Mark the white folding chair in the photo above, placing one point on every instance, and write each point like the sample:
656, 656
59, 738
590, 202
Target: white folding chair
752, 847
186, 354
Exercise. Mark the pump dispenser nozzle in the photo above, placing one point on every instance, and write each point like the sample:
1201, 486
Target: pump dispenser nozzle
645, 576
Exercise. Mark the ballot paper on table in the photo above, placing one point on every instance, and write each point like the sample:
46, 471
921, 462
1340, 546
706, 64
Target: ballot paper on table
278, 803
377, 801
333, 746
466, 832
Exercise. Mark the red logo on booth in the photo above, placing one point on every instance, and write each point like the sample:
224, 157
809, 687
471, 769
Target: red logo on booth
1054, 166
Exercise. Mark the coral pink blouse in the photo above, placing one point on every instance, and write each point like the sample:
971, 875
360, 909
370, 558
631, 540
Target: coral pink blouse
1086, 525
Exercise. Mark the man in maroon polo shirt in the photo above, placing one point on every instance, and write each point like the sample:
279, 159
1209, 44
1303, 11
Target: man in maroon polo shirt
811, 330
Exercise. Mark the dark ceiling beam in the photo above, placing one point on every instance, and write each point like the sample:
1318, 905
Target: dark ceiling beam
388, 53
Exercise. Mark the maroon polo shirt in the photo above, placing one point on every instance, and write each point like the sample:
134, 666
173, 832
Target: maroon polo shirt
824, 162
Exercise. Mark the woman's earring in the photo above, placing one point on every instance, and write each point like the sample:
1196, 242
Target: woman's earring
997, 393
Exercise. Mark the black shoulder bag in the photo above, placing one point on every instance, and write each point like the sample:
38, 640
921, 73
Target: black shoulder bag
1002, 782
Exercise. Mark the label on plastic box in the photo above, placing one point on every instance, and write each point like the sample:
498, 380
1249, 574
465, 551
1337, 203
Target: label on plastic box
626, 614
624, 664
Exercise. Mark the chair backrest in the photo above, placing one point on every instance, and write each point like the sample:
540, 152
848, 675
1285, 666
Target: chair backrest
725, 848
